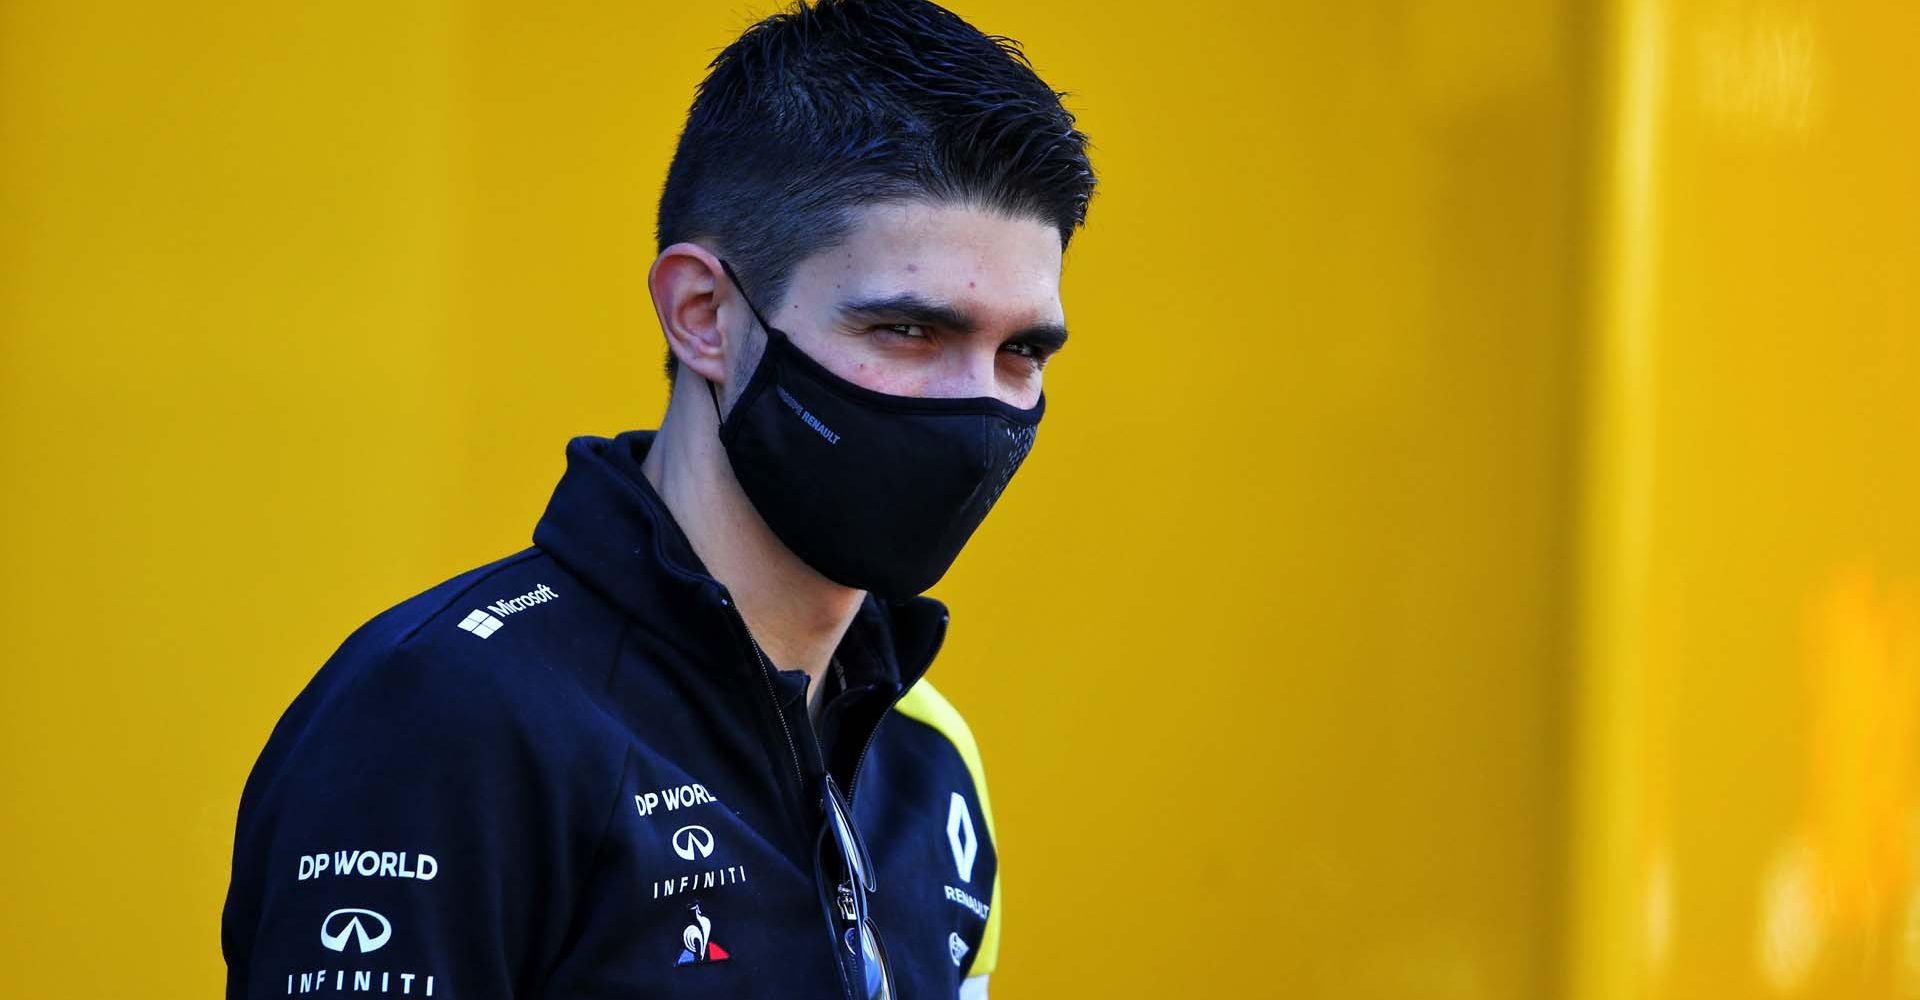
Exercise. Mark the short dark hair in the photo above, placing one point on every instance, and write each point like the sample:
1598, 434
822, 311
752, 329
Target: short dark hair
825, 107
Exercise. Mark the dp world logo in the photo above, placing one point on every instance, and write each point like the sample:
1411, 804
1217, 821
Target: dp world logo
691, 840
341, 925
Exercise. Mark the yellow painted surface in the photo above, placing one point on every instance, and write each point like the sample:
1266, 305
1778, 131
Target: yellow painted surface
1749, 805
1464, 556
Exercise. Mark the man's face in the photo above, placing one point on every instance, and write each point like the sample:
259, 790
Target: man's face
932, 300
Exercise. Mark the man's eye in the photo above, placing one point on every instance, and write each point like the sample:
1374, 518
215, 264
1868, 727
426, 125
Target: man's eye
913, 330
1033, 353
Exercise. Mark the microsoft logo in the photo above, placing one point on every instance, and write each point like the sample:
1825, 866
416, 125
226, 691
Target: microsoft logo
481, 624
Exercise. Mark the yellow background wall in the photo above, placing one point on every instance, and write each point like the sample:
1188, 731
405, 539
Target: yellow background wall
1464, 558
1748, 820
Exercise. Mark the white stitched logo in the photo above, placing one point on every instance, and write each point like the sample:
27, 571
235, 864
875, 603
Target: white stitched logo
960, 837
538, 595
697, 944
691, 840
481, 624
363, 941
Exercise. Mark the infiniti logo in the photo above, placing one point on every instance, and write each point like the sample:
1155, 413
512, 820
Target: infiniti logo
691, 840
354, 927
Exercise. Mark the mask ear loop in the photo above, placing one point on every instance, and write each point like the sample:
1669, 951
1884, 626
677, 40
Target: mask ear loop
713, 393
764, 325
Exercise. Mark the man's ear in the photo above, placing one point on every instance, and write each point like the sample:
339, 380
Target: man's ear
686, 282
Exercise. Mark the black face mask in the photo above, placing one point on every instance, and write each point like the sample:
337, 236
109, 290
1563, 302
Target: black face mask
875, 491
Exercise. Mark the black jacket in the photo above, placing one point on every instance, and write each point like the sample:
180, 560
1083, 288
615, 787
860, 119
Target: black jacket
571, 773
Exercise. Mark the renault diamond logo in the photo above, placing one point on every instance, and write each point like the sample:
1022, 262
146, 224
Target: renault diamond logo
960, 837
691, 840
354, 927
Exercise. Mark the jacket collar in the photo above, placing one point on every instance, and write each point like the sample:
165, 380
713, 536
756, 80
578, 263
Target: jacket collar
608, 526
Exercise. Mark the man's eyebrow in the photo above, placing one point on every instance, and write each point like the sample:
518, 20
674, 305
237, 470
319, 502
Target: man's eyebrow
912, 308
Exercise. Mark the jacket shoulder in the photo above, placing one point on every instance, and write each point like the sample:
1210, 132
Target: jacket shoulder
924, 704
501, 655
434, 734
522, 622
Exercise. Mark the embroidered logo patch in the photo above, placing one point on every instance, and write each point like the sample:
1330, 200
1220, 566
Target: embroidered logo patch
697, 944
961, 838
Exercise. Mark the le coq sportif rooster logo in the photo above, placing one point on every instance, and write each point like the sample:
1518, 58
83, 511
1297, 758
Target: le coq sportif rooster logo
697, 942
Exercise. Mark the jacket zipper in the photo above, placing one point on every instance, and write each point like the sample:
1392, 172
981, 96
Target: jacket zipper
799, 771
766, 675
853, 779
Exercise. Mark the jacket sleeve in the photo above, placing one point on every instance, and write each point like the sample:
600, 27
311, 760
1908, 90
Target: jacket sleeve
414, 828
924, 703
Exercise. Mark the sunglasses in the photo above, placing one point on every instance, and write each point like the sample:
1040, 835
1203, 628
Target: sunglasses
854, 927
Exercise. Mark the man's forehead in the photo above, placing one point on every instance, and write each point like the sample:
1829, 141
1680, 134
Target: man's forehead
1003, 265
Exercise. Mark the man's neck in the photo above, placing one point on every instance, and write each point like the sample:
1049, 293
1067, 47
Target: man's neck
797, 615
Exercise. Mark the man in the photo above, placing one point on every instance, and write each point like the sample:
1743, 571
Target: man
681, 746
